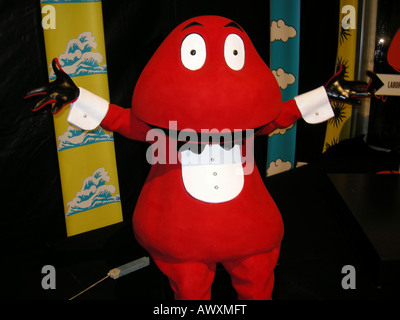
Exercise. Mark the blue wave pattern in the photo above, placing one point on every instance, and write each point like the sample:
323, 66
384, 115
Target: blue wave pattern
94, 193
74, 138
79, 59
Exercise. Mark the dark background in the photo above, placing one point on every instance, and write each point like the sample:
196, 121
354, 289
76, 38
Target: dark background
32, 217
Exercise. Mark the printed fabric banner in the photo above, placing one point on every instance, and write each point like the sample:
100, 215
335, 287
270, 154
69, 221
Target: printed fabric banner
339, 127
73, 33
284, 64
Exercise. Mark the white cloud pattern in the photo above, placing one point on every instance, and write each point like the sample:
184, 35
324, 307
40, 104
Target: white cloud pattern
280, 131
281, 31
284, 79
278, 166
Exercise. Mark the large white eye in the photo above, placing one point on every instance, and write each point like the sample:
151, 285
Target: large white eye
234, 52
193, 51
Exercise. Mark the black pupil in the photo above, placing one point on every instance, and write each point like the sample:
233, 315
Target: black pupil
235, 52
193, 52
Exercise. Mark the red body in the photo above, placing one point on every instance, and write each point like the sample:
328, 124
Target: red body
172, 225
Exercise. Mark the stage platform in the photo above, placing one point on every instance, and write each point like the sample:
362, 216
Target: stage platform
374, 223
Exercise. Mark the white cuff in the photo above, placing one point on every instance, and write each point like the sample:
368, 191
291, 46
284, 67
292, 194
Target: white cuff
314, 106
88, 110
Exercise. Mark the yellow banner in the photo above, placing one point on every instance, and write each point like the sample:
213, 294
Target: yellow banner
73, 33
339, 126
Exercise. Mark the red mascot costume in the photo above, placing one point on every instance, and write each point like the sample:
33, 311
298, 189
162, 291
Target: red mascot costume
204, 204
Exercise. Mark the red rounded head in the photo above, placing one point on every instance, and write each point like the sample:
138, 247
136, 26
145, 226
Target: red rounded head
207, 75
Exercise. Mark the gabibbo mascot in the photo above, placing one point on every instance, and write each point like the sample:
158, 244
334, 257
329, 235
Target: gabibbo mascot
205, 204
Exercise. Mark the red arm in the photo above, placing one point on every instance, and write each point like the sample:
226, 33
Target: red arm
290, 114
122, 120
313, 106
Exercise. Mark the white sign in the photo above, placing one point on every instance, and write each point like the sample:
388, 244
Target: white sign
391, 85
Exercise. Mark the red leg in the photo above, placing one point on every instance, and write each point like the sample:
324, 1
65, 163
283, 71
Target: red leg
253, 277
189, 280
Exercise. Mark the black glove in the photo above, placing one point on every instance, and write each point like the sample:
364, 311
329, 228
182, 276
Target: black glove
345, 91
60, 92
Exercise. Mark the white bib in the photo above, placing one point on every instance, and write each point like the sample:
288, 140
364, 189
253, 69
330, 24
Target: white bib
215, 175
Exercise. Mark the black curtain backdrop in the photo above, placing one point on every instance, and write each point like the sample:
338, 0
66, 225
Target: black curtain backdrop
32, 210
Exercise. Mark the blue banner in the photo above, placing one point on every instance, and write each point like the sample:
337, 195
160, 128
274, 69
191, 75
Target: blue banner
284, 64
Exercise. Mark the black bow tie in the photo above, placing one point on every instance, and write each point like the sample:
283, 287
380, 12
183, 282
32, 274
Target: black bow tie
198, 148
225, 140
